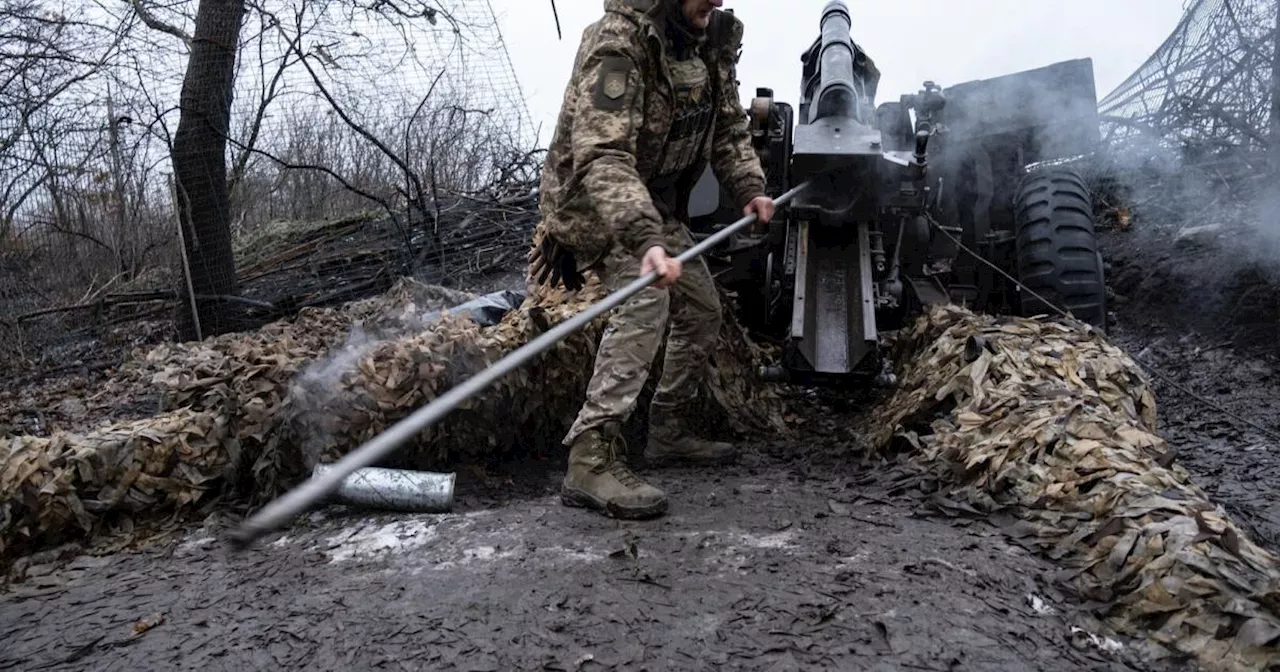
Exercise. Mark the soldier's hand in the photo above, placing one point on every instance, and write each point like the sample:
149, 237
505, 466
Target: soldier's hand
552, 263
763, 208
656, 260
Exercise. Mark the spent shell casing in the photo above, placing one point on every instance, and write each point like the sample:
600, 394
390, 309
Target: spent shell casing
395, 489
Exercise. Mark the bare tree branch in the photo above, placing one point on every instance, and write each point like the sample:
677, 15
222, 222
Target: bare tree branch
156, 24
391, 212
419, 192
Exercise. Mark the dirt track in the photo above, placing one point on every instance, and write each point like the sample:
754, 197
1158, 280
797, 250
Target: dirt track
797, 559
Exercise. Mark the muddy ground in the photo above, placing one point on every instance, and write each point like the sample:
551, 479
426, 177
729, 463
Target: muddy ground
1206, 325
800, 557
796, 558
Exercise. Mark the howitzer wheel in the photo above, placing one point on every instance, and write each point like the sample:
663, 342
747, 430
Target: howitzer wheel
764, 302
1057, 247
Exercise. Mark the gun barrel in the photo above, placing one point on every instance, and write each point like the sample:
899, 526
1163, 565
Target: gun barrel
837, 92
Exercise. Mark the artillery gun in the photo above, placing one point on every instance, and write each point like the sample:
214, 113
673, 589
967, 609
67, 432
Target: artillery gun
904, 198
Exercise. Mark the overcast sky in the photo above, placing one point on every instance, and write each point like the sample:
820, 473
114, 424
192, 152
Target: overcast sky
947, 41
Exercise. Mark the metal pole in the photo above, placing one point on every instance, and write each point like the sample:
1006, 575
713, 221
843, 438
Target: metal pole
296, 501
186, 261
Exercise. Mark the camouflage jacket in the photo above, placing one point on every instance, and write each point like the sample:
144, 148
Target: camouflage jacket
627, 98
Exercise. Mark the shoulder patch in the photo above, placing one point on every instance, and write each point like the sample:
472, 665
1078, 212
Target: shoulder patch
613, 82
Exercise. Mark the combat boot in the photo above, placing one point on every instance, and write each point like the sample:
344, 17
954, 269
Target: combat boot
598, 478
672, 443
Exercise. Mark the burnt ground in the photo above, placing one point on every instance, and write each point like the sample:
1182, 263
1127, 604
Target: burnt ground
795, 558
798, 558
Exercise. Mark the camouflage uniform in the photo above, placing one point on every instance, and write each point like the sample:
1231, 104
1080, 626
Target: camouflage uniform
649, 103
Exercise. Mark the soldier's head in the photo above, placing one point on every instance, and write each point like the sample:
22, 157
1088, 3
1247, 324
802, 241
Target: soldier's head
698, 12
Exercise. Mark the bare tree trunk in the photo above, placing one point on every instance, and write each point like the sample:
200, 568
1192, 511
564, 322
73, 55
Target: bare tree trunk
1275, 96
200, 163
121, 238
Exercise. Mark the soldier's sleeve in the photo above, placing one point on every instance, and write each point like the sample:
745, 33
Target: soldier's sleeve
607, 122
733, 159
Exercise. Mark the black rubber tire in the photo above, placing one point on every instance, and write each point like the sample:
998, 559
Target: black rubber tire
1057, 247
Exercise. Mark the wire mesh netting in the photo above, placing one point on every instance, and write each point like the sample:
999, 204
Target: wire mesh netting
1188, 133
304, 152
1210, 83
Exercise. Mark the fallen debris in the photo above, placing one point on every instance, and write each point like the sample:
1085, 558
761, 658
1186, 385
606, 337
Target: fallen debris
1051, 423
147, 623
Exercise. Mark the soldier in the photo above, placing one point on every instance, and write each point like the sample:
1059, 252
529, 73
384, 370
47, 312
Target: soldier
652, 100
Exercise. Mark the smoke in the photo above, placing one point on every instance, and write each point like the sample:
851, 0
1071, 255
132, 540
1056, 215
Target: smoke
323, 375
1266, 212
1191, 158
1203, 247
412, 308
1196, 201
318, 388
320, 392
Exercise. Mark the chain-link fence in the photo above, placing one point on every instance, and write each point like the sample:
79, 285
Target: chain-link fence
303, 151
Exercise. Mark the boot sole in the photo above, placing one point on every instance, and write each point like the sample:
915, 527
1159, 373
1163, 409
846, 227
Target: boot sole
580, 500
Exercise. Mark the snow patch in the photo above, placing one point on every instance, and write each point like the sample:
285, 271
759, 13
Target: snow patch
578, 556
195, 544
1105, 643
776, 540
856, 559
482, 553
1039, 606
733, 550
390, 539
475, 555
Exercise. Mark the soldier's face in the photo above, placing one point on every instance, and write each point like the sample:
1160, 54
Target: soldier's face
698, 12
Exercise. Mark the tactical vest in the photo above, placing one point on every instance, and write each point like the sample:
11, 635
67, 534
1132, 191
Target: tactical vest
694, 104
691, 116
693, 110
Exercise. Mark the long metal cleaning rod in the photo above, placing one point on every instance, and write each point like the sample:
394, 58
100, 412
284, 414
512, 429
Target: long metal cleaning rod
279, 511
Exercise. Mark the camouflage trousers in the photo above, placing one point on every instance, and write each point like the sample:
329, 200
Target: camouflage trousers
634, 333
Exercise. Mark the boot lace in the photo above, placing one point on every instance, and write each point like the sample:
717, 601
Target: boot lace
618, 465
619, 470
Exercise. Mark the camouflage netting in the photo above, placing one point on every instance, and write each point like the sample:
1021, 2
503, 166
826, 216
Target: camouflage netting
332, 412
249, 414
56, 488
1056, 425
